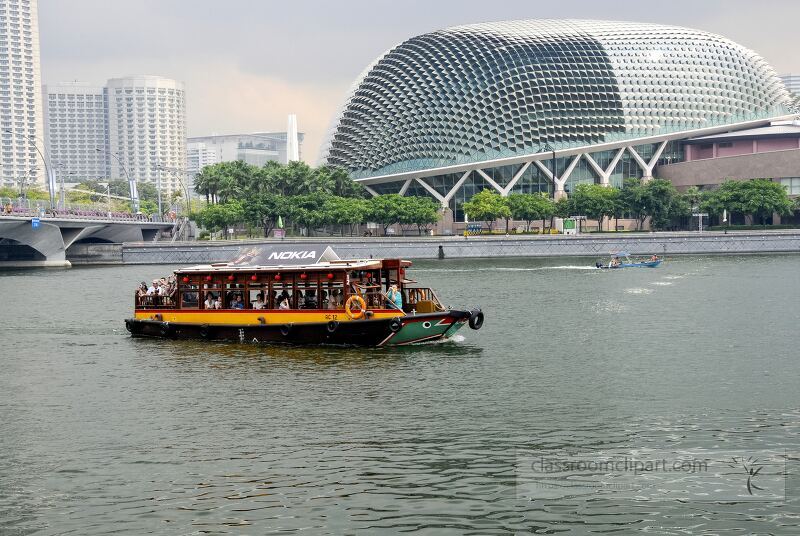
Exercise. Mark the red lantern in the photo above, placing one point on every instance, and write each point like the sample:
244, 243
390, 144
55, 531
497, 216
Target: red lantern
330, 275
231, 277
254, 278
185, 279
303, 276
277, 277
208, 278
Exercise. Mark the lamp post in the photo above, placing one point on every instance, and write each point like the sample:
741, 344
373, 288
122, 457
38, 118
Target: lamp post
51, 183
131, 182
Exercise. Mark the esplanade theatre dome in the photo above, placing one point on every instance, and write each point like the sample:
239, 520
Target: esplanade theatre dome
495, 92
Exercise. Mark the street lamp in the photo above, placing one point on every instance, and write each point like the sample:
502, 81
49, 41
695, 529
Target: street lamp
51, 182
131, 182
178, 172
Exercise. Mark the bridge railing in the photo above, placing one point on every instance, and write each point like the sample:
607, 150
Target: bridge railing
40, 209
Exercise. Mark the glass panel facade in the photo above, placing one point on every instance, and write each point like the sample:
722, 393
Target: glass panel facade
477, 92
792, 185
474, 184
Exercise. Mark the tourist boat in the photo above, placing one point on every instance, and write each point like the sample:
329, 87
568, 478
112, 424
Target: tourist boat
622, 259
305, 297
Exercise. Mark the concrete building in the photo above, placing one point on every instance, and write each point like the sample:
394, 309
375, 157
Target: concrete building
76, 131
792, 82
542, 106
147, 129
199, 155
20, 94
256, 149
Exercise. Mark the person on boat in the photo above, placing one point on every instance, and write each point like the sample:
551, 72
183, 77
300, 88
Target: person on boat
259, 303
395, 297
614, 262
210, 302
218, 302
237, 302
654, 258
284, 303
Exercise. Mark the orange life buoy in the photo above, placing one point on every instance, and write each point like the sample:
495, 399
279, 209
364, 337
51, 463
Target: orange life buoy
348, 307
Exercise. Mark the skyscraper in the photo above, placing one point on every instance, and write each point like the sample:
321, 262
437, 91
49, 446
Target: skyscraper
20, 94
147, 129
76, 126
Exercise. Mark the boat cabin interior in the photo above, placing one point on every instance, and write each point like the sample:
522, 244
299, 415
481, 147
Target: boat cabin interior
321, 286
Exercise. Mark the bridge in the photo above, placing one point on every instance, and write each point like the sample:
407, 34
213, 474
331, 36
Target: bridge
39, 238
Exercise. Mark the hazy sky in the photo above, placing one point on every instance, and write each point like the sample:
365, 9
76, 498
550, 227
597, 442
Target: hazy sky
248, 63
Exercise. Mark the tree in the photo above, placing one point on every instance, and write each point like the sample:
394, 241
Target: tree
420, 211
346, 212
595, 201
263, 210
529, 207
220, 216
308, 210
487, 205
386, 210
759, 198
665, 203
634, 200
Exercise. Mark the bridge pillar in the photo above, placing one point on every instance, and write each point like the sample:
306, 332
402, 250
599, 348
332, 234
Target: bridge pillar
22, 246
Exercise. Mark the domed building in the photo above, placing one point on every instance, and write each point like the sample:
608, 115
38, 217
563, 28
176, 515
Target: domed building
500, 105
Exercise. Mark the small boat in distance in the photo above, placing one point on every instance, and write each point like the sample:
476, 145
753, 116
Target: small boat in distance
622, 259
279, 294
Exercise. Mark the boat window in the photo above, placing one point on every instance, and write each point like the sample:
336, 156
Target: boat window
306, 291
211, 293
280, 290
189, 295
332, 291
235, 296
258, 295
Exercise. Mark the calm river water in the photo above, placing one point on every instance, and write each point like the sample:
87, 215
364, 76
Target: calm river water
101, 433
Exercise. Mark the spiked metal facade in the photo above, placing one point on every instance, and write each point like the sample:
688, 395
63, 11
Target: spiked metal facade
495, 98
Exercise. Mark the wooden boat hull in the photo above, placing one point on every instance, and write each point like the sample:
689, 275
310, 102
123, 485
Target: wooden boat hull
375, 332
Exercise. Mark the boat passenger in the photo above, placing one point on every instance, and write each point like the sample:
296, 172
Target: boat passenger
152, 290
395, 298
284, 303
210, 303
237, 302
654, 258
218, 302
259, 303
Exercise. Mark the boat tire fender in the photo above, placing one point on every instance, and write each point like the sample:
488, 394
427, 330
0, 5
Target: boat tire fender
165, 329
204, 331
476, 319
332, 325
285, 329
395, 324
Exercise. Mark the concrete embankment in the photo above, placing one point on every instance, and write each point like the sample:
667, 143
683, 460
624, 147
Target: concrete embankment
690, 243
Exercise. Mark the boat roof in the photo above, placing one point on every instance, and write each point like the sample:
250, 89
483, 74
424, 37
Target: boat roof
621, 254
289, 257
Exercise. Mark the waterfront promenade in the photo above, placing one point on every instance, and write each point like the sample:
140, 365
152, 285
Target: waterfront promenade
595, 245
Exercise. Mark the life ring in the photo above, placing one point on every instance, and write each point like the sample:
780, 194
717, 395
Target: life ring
332, 325
285, 329
395, 324
348, 307
476, 319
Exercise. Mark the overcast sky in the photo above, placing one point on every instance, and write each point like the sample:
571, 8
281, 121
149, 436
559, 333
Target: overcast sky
248, 63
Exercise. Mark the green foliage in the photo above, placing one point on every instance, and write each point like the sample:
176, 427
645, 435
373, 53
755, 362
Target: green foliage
346, 211
385, 210
594, 201
420, 211
307, 210
529, 207
488, 206
263, 210
758, 198
666, 204
220, 216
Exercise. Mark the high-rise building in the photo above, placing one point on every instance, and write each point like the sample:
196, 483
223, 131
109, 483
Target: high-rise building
76, 131
792, 83
198, 156
147, 129
256, 149
20, 94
